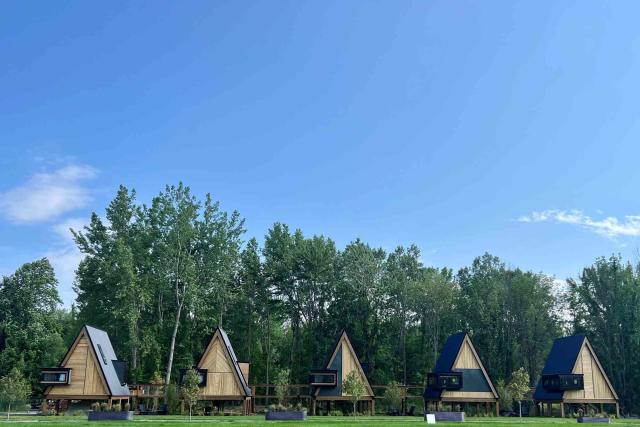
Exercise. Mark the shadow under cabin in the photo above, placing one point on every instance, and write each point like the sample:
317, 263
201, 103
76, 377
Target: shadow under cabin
89, 372
223, 379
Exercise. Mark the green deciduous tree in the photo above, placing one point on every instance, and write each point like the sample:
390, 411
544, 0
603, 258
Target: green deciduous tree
354, 387
14, 389
519, 387
31, 324
190, 389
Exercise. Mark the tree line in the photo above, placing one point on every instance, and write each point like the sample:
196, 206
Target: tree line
160, 278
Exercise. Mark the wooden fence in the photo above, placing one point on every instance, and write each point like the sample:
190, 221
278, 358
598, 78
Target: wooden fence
265, 394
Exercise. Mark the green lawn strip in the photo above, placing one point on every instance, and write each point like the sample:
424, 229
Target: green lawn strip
257, 421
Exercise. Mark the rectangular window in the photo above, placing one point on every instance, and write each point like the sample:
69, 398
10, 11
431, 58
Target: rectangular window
561, 382
444, 381
55, 376
104, 359
323, 378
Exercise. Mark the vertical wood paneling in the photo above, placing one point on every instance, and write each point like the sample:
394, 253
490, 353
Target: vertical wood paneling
221, 380
85, 377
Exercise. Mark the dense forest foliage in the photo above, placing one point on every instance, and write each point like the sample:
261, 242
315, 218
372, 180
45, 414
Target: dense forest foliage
161, 277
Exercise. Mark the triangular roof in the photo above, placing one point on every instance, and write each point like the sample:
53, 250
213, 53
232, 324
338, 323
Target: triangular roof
104, 356
562, 359
344, 341
222, 335
447, 361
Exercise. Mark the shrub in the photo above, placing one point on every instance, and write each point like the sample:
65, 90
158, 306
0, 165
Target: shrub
116, 408
95, 406
282, 386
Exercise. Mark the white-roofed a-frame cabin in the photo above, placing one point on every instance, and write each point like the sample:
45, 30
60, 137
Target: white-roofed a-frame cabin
90, 371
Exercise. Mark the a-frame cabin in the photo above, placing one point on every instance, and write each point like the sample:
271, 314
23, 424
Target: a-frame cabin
459, 378
222, 377
326, 384
90, 371
573, 376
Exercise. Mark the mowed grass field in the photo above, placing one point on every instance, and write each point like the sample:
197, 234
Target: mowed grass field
256, 421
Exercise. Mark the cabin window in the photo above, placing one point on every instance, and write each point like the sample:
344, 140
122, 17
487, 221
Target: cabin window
323, 378
104, 359
561, 382
55, 376
202, 376
445, 381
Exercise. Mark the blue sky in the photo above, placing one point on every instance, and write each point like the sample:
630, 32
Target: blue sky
463, 127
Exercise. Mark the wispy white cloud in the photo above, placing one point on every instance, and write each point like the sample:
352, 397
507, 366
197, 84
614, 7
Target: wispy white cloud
63, 229
47, 195
612, 227
65, 256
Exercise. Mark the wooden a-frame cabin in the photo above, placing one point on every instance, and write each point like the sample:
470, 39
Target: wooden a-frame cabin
573, 376
90, 371
326, 384
222, 376
459, 377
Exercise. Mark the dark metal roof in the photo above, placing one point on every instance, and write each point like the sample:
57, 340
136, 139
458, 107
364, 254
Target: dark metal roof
561, 360
449, 353
101, 344
445, 361
473, 380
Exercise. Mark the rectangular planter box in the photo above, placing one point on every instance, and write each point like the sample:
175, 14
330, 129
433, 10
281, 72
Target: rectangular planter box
110, 416
448, 416
286, 415
594, 420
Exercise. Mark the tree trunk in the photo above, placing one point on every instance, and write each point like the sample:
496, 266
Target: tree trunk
520, 408
8, 411
173, 344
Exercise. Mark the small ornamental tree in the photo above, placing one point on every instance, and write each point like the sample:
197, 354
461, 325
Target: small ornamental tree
519, 387
393, 395
353, 387
282, 386
14, 389
190, 389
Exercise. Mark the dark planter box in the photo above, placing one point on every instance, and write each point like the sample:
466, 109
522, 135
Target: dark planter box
286, 415
110, 416
594, 420
449, 416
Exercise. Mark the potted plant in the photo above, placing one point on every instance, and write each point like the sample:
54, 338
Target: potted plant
283, 411
101, 412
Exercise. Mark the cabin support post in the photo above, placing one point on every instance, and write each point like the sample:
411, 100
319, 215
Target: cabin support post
617, 410
497, 409
373, 407
561, 409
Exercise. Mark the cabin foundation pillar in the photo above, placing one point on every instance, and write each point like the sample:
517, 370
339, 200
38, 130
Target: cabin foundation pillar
561, 409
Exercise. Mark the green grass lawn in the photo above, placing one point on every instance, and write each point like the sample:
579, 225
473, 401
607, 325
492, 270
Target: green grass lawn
255, 421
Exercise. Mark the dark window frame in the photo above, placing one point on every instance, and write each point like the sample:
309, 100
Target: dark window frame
315, 373
563, 382
53, 371
444, 381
